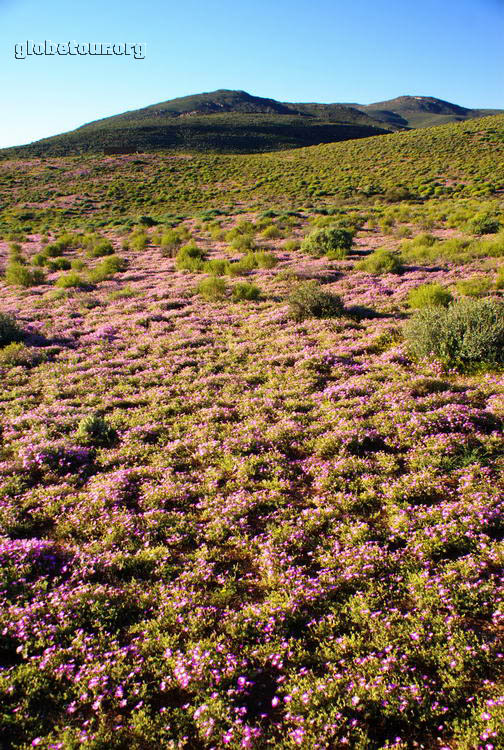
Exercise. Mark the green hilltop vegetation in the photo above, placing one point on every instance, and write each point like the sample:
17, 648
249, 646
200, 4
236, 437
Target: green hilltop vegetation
463, 160
222, 121
420, 112
236, 122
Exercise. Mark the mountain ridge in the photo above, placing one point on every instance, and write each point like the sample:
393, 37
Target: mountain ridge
234, 121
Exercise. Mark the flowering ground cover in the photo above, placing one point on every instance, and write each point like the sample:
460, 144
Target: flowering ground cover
289, 533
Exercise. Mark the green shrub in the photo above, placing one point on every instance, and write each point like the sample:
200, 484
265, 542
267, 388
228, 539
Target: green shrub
244, 227
396, 194
291, 245
108, 267
243, 242
263, 222
59, 264
489, 247
287, 274
95, 430
190, 258
39, 259
138, 240
429, 295
249, 261
216, 267
16, 254
240, 267
499, 281
170, 242
476, 286
403, 232
18, 275
212, 289
113, 264
10, 332
484, 223
78, 264
381, 261
184, 232
423, 240
265, 259
100, 248
68, 239
70, 280
466, 333
243, 291
18, 355
271, 233
147, 221
217, 234
334, 240
54, 250
309, 300
124, 293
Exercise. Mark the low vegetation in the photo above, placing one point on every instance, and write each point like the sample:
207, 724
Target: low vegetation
253, 498
429, 295
381, 261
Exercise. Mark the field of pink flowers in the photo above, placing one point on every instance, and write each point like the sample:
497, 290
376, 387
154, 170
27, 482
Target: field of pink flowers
293, 540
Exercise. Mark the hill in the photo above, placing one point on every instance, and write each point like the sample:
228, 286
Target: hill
420, 112
222, 121
227, 121
457, 160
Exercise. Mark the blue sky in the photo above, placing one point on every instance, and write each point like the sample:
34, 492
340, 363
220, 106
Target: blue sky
292, 50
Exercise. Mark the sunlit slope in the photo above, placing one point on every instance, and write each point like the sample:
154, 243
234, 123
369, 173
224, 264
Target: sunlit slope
464, 159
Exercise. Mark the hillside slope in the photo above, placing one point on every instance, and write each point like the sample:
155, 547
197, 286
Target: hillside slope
222, 121
420, 112
460, 160
226, 121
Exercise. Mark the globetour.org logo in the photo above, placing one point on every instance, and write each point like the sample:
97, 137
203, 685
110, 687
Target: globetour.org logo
22, 50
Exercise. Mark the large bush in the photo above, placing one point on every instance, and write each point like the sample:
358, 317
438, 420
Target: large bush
9, 330
264, 259
469, 332
309, 300
335, 241
484, 223
17, 274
